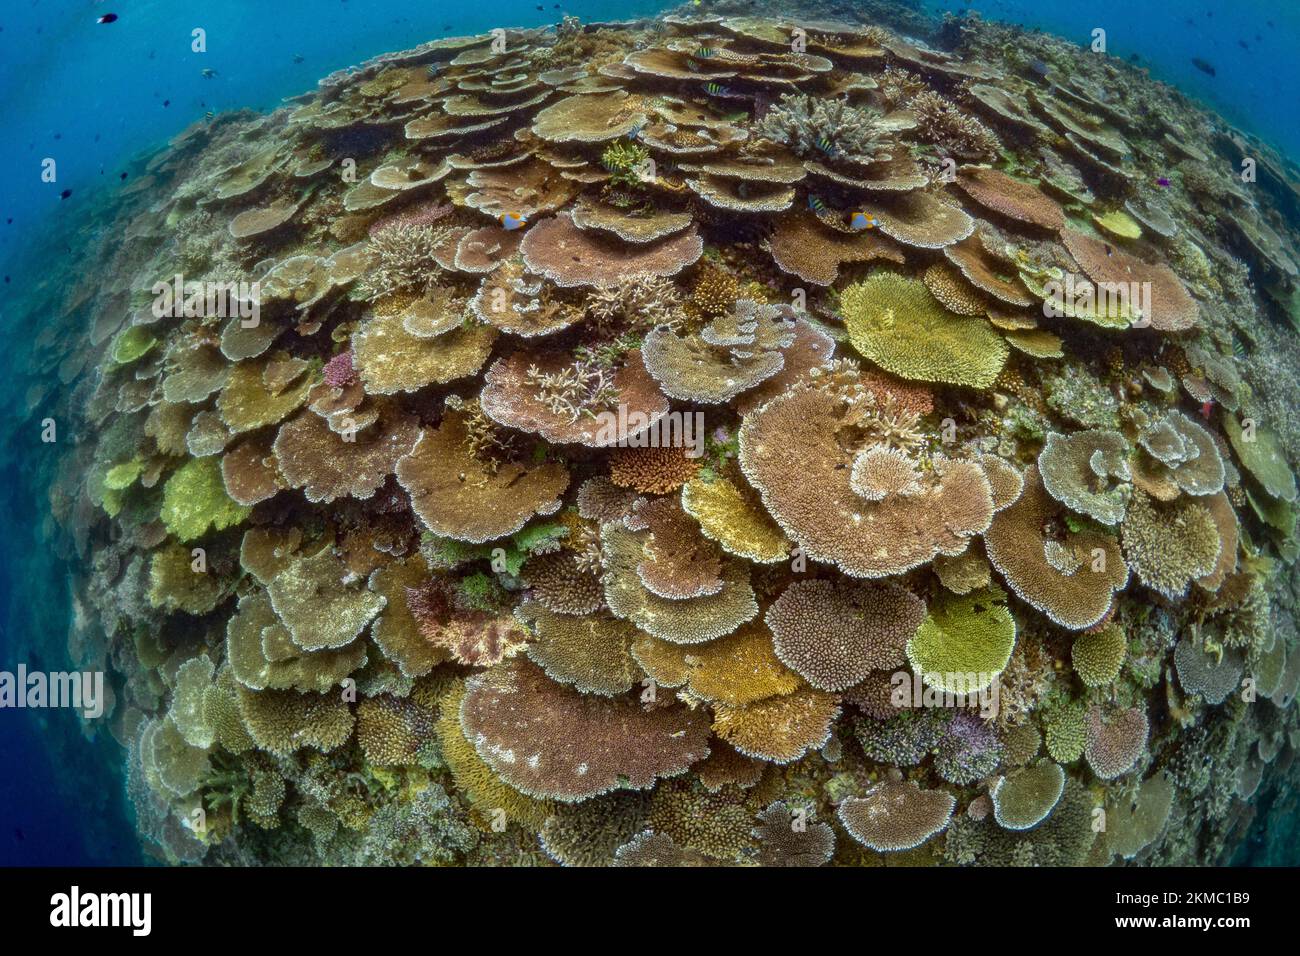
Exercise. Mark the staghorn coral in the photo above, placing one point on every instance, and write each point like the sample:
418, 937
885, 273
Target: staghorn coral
833, 128
946, 125
1168, 546
406, 259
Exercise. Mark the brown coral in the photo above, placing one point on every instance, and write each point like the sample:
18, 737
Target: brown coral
835, 633
552, 743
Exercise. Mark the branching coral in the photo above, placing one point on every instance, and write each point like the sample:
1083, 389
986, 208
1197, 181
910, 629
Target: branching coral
946, 125
406, 259
812, 126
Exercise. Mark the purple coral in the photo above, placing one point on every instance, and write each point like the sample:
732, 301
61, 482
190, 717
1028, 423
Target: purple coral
339, 371
969, 750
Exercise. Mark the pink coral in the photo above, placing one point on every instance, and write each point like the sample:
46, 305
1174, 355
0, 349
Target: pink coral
339, 371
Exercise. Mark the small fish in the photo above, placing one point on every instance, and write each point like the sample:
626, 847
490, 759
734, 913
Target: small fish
1204, 66
510, 221
1163, 181
207, 72
1039, 67
826, 146
432, 70
861, 220
1242, 44
107, 18
704, 52
298, 58
815, 203
635, 131
1207, 409
716, 89
65, 194
122, 177
1109, 250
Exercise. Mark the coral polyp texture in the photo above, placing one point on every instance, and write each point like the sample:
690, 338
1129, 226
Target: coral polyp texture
654, 443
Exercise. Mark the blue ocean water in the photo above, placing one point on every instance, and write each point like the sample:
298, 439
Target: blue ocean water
1250, 45
93, 96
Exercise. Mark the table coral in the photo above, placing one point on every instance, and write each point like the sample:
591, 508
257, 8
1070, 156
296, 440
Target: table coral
629, 464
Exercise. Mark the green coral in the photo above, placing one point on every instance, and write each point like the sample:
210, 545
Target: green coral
963, 638
625, 160
896, 323
1025, 797
123, 476
1098, 657
1065, 731
195, 500
132, 343
1261, 454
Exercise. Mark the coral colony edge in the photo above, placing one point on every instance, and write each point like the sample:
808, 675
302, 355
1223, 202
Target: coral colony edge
702, 441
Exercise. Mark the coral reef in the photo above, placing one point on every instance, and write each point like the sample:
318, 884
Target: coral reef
651, 456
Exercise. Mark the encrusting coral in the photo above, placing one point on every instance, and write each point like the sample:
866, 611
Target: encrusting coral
671, 439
